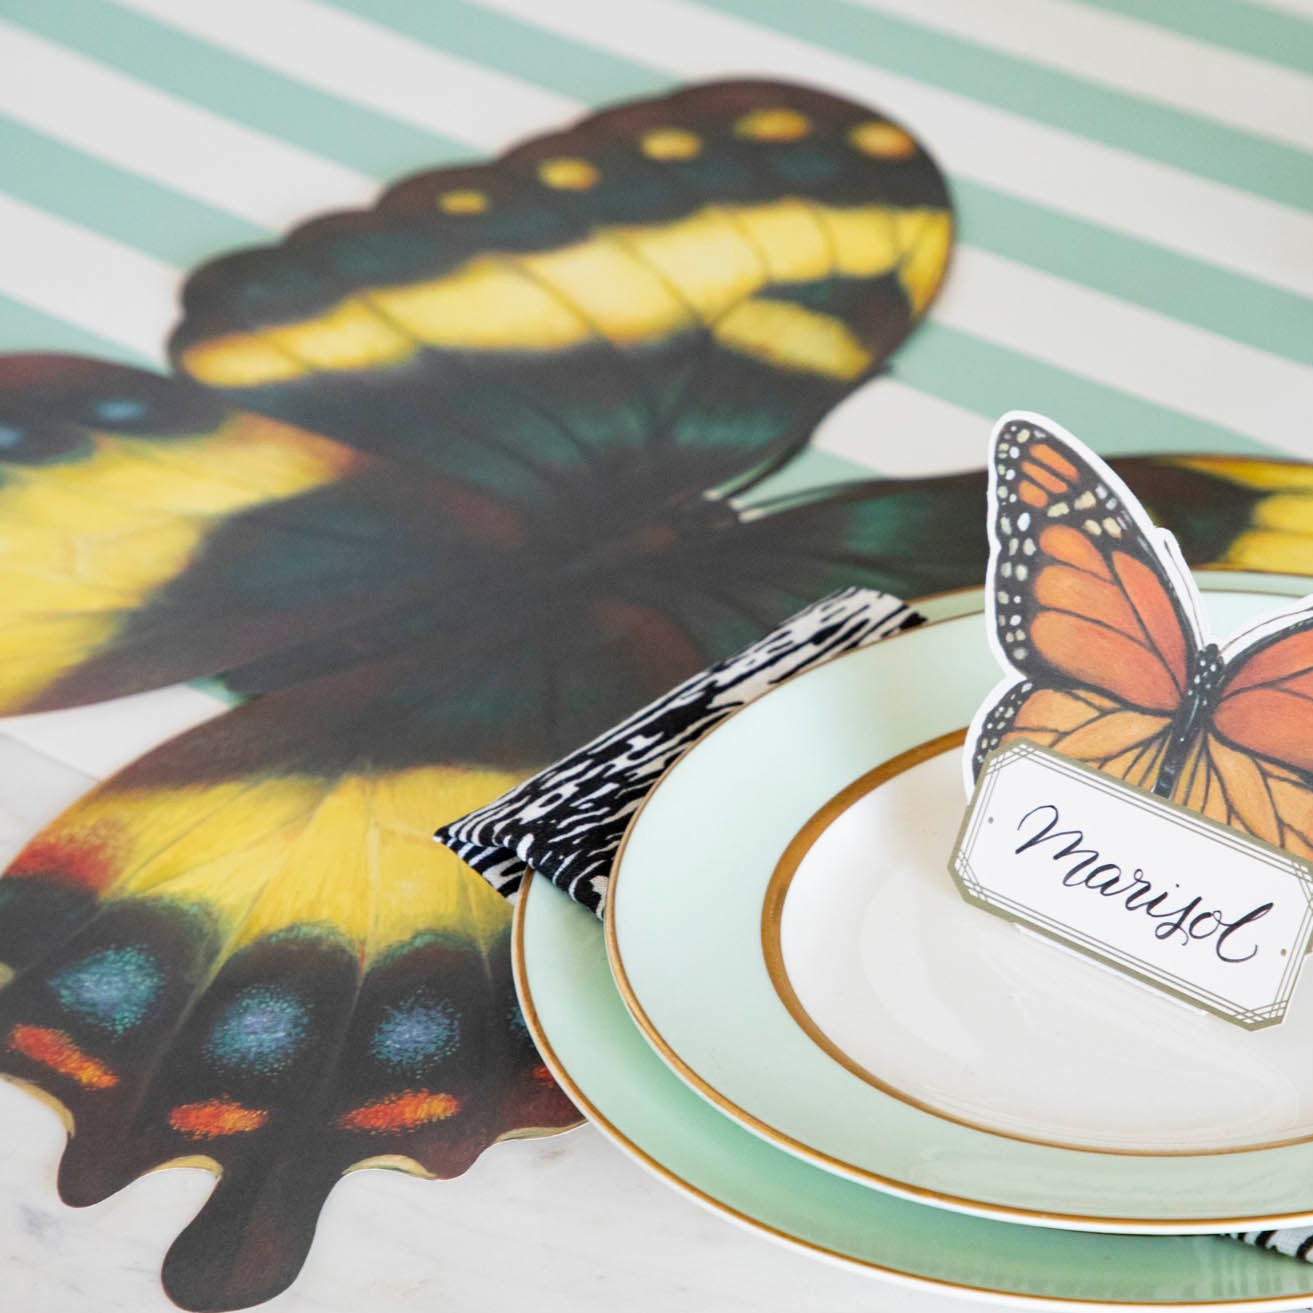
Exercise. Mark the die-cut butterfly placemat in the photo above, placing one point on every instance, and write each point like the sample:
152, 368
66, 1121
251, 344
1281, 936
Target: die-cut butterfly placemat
438, 491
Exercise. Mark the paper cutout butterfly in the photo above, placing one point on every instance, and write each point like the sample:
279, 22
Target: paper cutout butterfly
437, 491
1095, 614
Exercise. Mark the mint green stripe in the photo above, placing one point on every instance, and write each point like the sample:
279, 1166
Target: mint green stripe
810, 468
25, 328
64, 181
1153, 131
526, 52
1229, 304
1253, 29
990, 379
234, 87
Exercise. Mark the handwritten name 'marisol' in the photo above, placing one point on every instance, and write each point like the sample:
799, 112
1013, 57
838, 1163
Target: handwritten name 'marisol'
1083, 868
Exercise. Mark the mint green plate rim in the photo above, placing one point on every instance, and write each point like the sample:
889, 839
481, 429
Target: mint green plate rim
744, 791
597, 1054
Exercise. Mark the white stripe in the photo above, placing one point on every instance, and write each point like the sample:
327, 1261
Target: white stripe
1299, 8
895, 430
1020, 156
359, 61
36, 790
1127, 347
92, 281
1131, 56
146, 131
98, 740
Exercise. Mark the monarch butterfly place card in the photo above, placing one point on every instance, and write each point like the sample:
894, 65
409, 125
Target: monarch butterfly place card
1140, 792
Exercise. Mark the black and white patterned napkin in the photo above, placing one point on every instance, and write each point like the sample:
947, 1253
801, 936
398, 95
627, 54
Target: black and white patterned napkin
566, 822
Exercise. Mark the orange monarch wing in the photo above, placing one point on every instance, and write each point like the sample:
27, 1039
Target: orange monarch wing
1250, 793
1253, 767
1085, 601
1265, 705
1086, 725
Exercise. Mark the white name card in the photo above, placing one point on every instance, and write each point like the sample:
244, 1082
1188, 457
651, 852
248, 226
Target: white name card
1185, 904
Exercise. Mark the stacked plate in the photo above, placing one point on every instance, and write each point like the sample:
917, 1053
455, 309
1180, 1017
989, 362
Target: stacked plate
793, 1016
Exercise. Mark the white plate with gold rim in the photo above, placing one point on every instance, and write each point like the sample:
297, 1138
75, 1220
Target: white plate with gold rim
783, 929
597, 1053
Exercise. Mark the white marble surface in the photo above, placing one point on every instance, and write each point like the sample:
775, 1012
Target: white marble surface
560, 1225
567, 1223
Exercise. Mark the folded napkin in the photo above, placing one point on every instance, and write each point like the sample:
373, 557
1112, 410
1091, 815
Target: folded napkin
566, 823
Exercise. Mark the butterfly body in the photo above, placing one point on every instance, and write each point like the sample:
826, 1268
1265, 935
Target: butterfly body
1197, 706
1095, 614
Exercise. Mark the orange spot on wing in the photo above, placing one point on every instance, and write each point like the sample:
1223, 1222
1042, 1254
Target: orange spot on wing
1073, 548
1245, 791
56, 1050
1157, 612
1111, 735
1294, 804
1068, 589
88, 860
1055, 460
1283, 660
1270, 722
400, 1112
1057, 711
1090, 653
1032, 495
215, 1118
1042, 476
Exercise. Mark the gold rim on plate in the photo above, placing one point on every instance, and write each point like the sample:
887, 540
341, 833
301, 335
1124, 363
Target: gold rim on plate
920, 1193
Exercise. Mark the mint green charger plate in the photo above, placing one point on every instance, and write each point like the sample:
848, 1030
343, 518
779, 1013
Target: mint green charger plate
603, 1062
700, 985
594, 1048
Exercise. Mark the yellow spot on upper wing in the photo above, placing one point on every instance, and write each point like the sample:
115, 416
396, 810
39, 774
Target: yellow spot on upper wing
793, 337
240, 360
629, 284
616, 291
882, 141
349, 336
488, 305
925, 237
790, 239
465, 201
704, 256
1271, 551
670, 144
915, 243
85, 542
567, 174
773, 125
1276, 475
